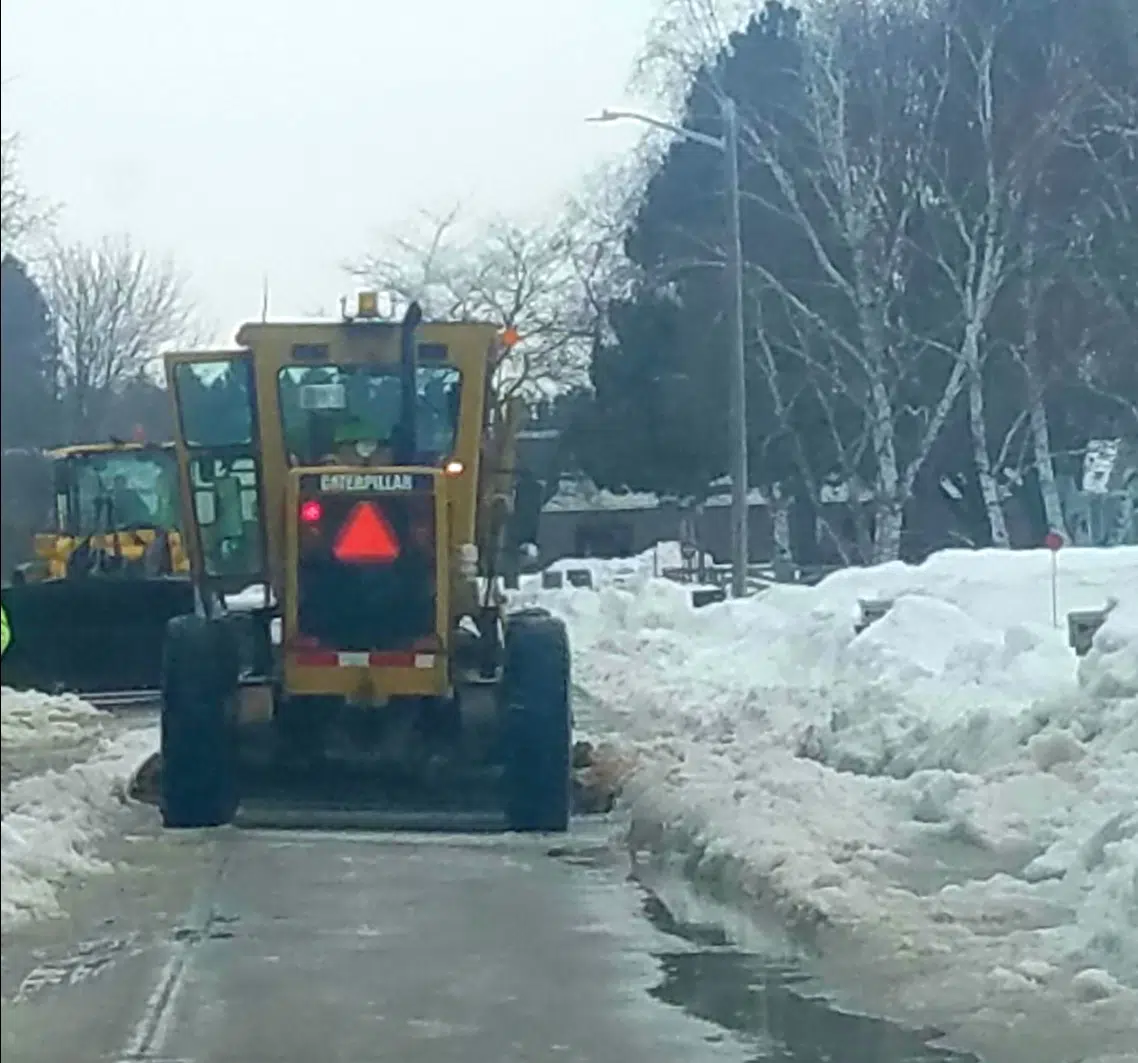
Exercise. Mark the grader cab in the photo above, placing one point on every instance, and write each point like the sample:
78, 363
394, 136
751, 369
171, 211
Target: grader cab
349, 491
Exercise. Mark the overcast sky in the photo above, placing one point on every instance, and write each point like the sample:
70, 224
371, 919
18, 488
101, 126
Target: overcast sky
279, 137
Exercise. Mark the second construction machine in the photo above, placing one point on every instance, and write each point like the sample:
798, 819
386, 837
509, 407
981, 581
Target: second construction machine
348, 491
89, 613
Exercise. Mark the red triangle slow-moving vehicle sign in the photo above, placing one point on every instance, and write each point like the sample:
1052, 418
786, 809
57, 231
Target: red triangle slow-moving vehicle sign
366, 536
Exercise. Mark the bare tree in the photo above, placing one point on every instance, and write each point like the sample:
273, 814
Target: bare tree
847, 176
22, 215
1009, 125
115, 308
684, 37
594, 227
900, 204
528, 280
1100, 258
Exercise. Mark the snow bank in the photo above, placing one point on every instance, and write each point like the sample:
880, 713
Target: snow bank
951, 787
53, 819
621, 571
627, 572
1111, 668
29, 718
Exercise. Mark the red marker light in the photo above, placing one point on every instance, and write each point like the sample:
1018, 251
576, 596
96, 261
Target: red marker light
366, 536
311, 511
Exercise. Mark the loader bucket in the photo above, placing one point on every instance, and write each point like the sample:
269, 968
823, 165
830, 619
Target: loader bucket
91, 636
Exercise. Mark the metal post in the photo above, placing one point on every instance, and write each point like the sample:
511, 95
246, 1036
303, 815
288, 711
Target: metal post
740, 510
737, 380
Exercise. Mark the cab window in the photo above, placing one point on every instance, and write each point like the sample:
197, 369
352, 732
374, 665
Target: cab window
348, 413
228, 510
215, 401
216, 406
118, 492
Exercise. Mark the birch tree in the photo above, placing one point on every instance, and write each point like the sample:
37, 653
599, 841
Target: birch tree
928, 267
1014, 99
849, 182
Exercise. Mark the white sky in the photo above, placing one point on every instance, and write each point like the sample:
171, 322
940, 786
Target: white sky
281, 137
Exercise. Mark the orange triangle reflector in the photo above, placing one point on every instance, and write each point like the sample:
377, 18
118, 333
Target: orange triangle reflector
366, 536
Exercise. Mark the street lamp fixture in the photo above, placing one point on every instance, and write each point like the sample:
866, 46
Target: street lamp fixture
728, 144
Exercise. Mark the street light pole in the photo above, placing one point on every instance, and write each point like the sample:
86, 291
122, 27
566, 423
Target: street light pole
728, 144
740, 508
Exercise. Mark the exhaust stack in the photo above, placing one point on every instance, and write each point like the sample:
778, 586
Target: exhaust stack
408, 448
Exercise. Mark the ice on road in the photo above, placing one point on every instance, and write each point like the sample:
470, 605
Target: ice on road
299, 946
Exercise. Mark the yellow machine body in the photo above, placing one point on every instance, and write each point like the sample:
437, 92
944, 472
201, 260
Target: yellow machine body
468, 483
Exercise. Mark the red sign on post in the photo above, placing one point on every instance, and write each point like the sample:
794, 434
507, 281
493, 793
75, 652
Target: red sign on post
1054, 541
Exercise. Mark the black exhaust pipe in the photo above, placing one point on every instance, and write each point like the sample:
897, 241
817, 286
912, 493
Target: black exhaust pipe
408, 444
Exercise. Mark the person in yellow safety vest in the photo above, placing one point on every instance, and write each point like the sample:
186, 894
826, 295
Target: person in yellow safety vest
5, 631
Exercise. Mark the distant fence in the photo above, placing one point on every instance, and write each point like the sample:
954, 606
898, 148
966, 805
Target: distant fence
759, 576
709, 585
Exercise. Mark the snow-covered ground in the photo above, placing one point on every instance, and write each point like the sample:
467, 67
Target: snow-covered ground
951, 791
66, 766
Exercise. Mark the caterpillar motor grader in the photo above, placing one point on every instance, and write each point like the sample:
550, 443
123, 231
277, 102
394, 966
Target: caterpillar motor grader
89, 613
349, 497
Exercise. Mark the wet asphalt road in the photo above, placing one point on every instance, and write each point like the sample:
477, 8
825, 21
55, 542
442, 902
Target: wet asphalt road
250, 946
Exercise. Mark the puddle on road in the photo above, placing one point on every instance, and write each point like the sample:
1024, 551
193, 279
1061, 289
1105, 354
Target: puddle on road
773, 1004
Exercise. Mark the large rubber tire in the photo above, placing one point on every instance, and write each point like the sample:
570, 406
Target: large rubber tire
538, 727
199, 749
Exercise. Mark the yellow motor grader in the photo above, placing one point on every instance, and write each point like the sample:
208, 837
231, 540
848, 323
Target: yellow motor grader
348, 491
89, 613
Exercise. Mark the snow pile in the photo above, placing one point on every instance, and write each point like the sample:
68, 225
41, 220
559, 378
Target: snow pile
948, 787
576, 495
1111, 668
627, 572
30, 718
54, 818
